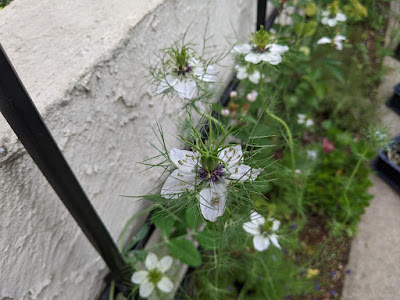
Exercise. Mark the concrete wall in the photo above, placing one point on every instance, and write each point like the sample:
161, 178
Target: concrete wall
83, 63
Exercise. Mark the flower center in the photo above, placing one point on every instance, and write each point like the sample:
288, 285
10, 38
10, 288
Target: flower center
213, 176
260, 40
257, 49
183, 70
266, 228
154, 276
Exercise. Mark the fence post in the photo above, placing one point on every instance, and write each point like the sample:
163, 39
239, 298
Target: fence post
261, 13
23, 117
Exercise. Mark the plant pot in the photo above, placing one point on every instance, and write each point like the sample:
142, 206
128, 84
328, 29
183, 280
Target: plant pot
394, 102
386, 169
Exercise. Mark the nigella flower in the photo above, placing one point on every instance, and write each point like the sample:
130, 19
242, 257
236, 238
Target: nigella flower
242, 74
331, 19
154, 276
263, 231
270, 53
312, 154
183, 73
337, 41
302, 119
262, 48
212, 173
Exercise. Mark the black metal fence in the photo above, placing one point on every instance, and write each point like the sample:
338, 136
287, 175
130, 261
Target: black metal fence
20, 112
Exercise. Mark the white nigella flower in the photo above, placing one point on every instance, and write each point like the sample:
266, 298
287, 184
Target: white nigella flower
309, 123
154, 276
263, 231
184, 77
337, 40
312, 154
302, 119
243, 74
271, 53
332, 19
380, 136
212, 173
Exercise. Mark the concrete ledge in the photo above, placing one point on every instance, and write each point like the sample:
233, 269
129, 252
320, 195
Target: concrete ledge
83, 63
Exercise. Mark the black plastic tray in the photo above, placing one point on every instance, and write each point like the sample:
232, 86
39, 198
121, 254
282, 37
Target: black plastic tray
386, 169
394, 102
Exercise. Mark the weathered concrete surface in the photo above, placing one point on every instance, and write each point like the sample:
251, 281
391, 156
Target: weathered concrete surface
84, 64
375, 251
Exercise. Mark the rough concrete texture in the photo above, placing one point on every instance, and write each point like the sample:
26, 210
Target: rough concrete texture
84, 64
375, 251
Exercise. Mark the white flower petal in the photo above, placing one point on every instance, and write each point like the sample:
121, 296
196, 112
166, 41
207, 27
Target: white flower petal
325, 13
338, 41
331, 22
151, 261
185, 161
185, 88
231, 155
253, 58
324, 20
177, 183
301, 116
339, 46
139, 276
242, 49
261, 242
164, 264
274, 240
279, 49
146, 288
309, 123
212, 201
242, 173
275, 224
324, 40
165, 285
205, 74
341, 17
171, 79
312, 154
255, 77
241, 73
272, 58
251, 228
162, 87
257, 219
339, 38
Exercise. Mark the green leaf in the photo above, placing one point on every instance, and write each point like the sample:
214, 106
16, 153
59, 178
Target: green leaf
138, 237
304, 29
193, 217
163, 221
185, 251
208, 239
337, 72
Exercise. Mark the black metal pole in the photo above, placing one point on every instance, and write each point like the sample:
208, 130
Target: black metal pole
23, 117
261, 12
271, 19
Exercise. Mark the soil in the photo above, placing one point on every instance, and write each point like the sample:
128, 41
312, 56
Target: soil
329, 279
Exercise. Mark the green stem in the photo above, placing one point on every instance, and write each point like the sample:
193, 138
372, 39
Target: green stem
355, 170
293, 162
218, 262
289, 134
112, 291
